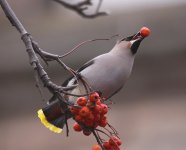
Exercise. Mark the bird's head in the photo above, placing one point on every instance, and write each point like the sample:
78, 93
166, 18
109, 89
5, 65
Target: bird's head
132, 42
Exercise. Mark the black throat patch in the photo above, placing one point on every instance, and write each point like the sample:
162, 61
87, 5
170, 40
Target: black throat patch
135, 46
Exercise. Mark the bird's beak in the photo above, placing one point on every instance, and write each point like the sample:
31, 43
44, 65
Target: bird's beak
139, 36
135, 37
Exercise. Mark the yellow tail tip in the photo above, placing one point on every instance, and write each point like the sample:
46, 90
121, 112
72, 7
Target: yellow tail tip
47, 124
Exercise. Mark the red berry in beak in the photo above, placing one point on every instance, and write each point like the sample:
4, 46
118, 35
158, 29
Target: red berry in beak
144, 31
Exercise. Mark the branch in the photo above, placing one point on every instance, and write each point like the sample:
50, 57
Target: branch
31, 50
80, 7
12, 17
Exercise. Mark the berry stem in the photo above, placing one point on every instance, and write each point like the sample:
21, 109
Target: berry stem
67, 128
103, 132
113, 129
98, 140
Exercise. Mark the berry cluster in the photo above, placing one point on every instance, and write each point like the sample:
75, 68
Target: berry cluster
90, 113
112, 144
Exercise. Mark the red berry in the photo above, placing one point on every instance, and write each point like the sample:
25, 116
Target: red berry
103, 121
104, 108
106, 145
77, 127
89, 123
87, 133
98, 102
89, 120
103, 118
90, 104
95, 125
78, 118
96, 147
113, 143
97, 117
81, 101
84, 112
119, 142
116, 140
98, 109
74, 110
94, 97
114, 147
91, 116
144, 31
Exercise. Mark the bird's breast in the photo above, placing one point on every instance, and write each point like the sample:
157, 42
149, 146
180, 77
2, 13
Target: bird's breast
108, 77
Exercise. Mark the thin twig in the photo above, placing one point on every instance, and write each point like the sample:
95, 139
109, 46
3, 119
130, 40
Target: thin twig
81, 44
99, 5
102, 140
75, 95
80, 7
39, 86
98, 140
113, 129
66, 123
103, 132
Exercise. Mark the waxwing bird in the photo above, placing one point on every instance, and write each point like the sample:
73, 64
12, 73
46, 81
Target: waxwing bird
106, 73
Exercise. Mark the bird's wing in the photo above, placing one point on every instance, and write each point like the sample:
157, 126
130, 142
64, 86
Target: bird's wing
87, 64
115, 92
65, 83
90, 62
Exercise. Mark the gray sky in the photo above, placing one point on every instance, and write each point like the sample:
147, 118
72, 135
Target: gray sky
127, 5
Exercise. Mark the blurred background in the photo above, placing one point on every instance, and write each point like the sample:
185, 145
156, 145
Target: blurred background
149, 113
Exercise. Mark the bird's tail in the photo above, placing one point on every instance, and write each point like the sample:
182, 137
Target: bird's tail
53, 116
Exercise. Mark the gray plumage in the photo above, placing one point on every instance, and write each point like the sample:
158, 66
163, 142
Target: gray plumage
108, 72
